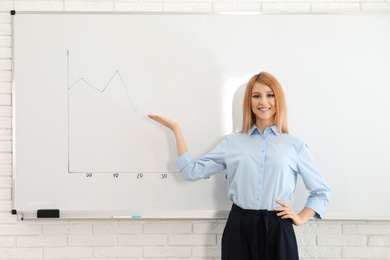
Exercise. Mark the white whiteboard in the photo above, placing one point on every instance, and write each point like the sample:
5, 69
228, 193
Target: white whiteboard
84, 83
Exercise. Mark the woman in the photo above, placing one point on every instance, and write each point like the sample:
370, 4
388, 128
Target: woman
262, 163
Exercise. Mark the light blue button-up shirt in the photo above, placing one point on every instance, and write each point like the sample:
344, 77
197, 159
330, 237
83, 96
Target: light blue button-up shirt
261, 168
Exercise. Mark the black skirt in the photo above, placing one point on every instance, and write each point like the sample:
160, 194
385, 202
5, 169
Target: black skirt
258, 235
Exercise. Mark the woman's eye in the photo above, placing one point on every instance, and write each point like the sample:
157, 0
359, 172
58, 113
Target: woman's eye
271, 95
256, 96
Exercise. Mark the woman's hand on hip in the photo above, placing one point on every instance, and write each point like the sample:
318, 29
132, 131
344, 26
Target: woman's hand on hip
286, 211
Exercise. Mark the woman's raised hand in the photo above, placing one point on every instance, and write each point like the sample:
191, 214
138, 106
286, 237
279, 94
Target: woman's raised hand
165, 122
180, 143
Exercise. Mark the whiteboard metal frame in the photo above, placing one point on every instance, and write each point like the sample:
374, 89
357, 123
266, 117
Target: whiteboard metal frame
198, 214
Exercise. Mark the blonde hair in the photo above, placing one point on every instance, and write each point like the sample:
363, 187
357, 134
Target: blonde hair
249, 119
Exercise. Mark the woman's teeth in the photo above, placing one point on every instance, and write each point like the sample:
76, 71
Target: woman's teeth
264, 109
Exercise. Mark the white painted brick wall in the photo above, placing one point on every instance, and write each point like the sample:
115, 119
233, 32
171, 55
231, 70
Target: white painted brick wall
143, 240
117, 228
286, 7
337, 240
366, 253
379, 241
120, 252
157, 240
67, 252
42, 241
170, 228
21, 253
366, 229
138, 7
168, 251
92, 240
192, 239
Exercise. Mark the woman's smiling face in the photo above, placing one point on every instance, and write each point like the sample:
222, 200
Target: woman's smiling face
263, 103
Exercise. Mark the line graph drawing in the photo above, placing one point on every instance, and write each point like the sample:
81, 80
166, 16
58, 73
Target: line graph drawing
101, 117
102, 91
117, 73
108, 130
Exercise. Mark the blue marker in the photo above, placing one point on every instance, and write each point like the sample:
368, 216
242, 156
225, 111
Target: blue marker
125, 216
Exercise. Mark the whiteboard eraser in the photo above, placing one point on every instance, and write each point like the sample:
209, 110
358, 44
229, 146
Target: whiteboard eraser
48, 213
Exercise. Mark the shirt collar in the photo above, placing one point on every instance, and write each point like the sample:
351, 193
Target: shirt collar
254, 128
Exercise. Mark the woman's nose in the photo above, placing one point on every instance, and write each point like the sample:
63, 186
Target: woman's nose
263, 101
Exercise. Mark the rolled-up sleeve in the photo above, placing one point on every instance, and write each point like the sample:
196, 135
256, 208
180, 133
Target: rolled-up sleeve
210, 164
314, 181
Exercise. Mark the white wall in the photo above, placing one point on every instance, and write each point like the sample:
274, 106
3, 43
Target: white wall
161, 239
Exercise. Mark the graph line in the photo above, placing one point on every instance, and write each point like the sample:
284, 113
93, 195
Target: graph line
104, 89
97, 89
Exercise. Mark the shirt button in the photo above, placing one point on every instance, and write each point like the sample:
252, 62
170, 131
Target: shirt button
257, 198
262, 151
